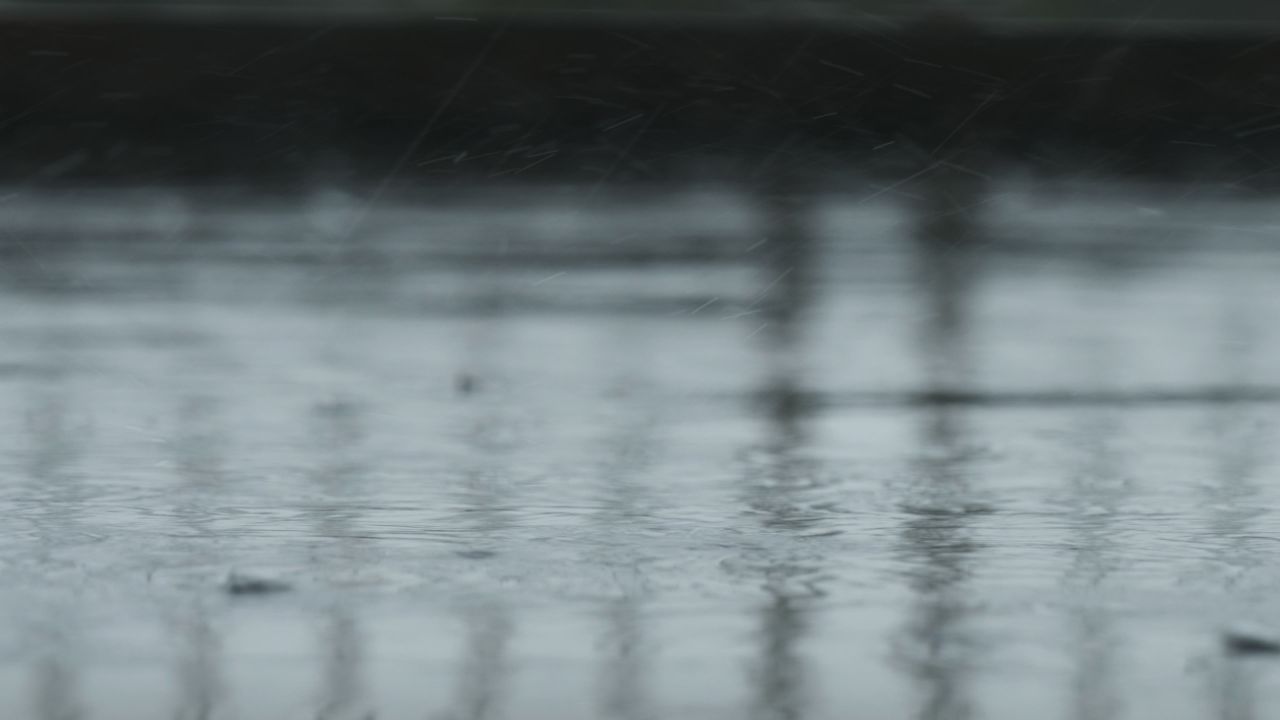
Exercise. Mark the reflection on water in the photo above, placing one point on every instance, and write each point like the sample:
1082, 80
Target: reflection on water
628, 444
936, 454
199, 677
624, 684
1099, 489
55, 673
342, 689
199, 449
938, 499
779, 480
1234, 496
339, 477
490, 436
483, 671
53, 500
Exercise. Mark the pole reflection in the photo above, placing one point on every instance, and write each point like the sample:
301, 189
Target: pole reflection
490, 437
54, 445
781, 672
199, 448
343, 694
778, 484
1237, 690
55, 675
490, 430
1098, 488
935, 647
624, 690
483, 673
1240, 442
628, 450
201, 683
338, 428
788, 268
1240, 438
485, 667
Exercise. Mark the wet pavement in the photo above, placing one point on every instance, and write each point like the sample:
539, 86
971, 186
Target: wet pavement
566, 454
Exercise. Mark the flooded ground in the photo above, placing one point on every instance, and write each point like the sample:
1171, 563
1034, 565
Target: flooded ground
569, 455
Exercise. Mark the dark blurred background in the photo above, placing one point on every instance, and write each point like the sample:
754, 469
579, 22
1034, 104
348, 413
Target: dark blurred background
285, 95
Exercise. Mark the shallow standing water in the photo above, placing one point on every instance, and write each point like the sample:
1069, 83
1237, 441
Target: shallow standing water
568, 455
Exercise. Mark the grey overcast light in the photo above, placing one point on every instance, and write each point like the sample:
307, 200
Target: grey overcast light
639, 360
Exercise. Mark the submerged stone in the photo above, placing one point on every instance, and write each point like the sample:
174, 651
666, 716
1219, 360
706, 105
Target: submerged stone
1245, 643
238, 584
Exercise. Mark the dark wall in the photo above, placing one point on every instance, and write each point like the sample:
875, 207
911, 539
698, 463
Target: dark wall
617, 101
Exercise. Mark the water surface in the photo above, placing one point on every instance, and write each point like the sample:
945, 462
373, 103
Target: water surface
574, 455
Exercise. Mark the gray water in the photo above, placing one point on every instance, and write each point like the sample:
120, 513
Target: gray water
576, 455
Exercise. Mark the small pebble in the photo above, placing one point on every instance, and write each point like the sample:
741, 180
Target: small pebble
248, 585
1239, 643
466, 384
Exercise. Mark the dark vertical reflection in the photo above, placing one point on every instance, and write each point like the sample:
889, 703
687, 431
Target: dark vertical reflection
947, 242
1097, 490
780, 673
1240, 441
789, 217
490, 437
338, 430
623, 519
55, 675
200, 676
778, 482
484, 670
198, 447
1237, 691
56, 491
485, 499
625, 692
343, 694
339, 433
939, 556
490, 433
1239, 445
937, 546
57, 496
